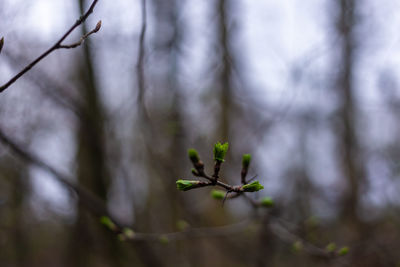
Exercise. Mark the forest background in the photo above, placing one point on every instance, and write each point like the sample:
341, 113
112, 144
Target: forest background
309, 88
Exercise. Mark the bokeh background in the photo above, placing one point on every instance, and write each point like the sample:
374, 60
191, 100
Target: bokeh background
309, 88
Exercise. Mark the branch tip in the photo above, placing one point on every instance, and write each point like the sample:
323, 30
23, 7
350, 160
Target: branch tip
98, 26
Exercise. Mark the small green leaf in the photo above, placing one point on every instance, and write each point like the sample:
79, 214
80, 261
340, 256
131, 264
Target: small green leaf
246, 161
193, 155
267, 202
330, 247
343, 251
220, 151
108, 223
252, 187
218, 194
185, 185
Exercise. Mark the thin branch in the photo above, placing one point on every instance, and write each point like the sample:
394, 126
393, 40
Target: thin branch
83, 38
213, 180
57, 45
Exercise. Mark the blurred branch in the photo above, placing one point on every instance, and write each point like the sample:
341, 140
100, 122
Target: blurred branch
49, 86
200, 232
97, 207
57, 45
91, 202
284, 234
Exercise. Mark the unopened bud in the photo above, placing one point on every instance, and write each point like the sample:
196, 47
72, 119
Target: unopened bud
267, 202
246, 161
185, 185
218, 194
220, 151
98, 26
182, 225
106, 221
193, 155
343, 251
331, 247
129, 233
297, 246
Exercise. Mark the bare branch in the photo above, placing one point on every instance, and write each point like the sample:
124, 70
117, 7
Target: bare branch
56, 46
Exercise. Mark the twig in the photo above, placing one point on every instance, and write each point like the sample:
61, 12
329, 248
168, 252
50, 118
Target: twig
83, 38
57, 45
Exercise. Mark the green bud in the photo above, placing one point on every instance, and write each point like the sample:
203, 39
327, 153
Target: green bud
297, 246
128, 232
193, 155
182, 225
185, 185
246, 161
220, 151
218, 194
252, 187
330, 247
164, 240
267, 202
343, 251
108, 223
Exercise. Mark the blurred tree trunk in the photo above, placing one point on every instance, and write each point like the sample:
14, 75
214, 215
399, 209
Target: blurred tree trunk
14, 177
224, 76
350, 156
91, 239
161, 123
